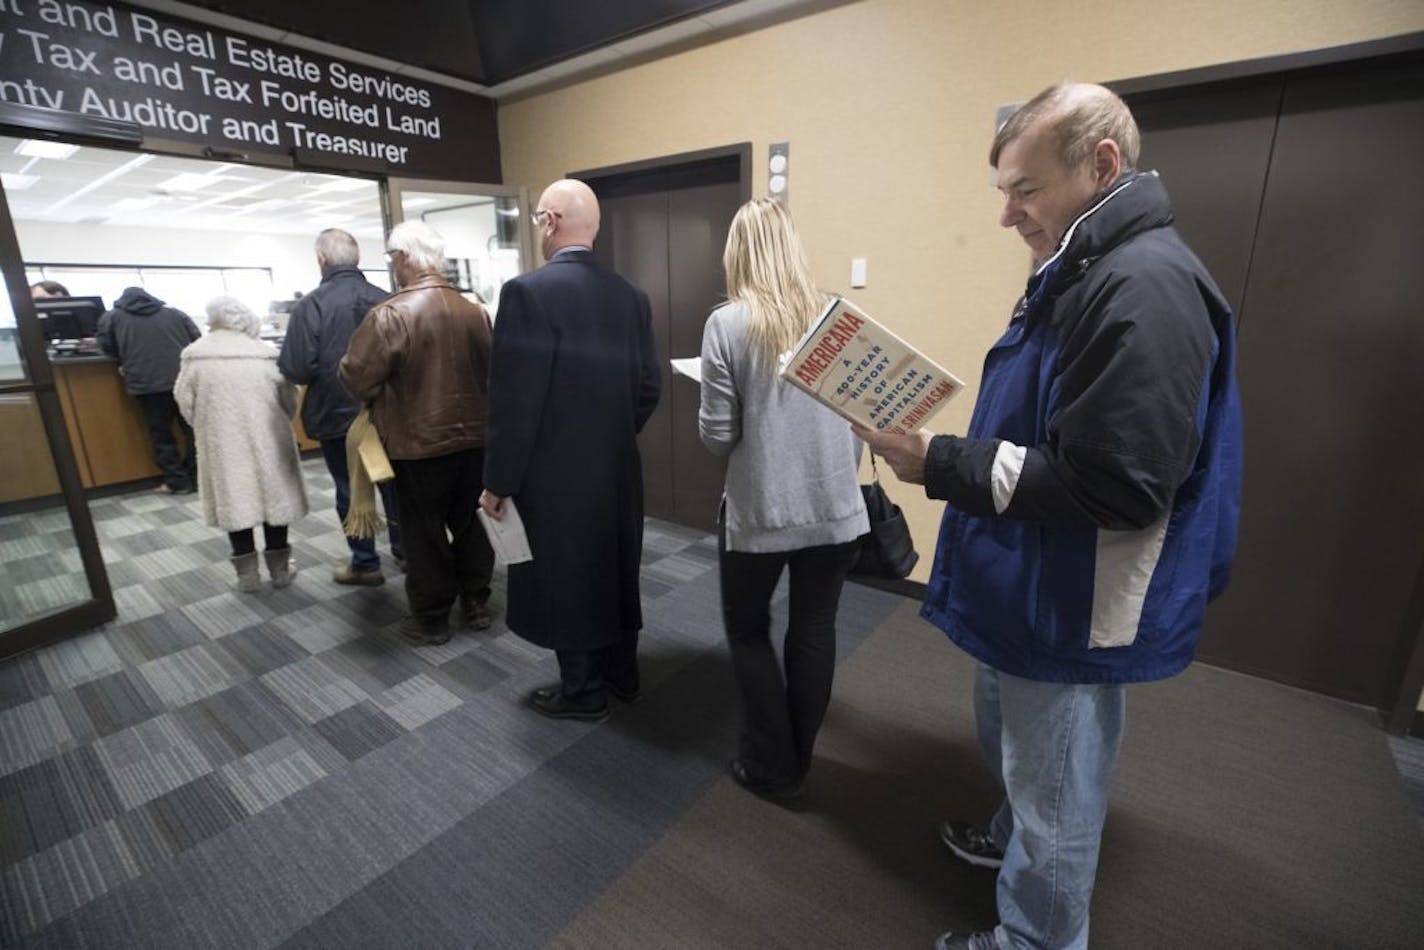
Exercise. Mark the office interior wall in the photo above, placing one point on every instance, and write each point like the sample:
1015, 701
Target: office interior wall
889, 107
291, 257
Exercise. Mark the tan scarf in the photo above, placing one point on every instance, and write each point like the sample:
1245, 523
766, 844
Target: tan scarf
366, 464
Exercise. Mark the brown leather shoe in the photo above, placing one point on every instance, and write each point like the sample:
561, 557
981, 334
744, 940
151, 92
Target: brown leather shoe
346, 574
424, 634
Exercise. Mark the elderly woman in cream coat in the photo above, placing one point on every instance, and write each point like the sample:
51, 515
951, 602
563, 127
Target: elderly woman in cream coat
240, 408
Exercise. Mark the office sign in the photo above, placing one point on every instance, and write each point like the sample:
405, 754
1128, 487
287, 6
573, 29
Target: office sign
181, 80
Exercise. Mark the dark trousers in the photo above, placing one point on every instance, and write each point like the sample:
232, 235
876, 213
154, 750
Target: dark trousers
274, 538
781, 713
178, 465
583, 674
363, 550
446, 551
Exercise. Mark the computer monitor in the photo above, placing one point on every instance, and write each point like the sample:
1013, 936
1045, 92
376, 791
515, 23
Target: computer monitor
69, 318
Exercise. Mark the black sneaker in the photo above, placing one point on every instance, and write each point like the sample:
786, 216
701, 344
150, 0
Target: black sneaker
557, 706
971, 844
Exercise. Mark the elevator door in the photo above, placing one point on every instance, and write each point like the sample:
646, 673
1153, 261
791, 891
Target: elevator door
1331, 337
664, 229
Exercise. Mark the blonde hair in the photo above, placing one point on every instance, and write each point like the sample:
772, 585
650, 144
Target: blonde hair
767, 272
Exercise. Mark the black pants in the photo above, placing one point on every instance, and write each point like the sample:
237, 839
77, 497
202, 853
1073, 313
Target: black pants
274, 538
782, 714
584, 673
178, 464
446, 551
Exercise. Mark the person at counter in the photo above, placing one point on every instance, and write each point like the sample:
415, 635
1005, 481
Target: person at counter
318, 331
48, 288
146, 336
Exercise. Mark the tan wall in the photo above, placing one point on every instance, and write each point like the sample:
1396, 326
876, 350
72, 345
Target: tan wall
889, 107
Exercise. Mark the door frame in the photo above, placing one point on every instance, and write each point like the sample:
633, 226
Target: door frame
742, 151
393, 212
1400, 712
612, 175
64, 622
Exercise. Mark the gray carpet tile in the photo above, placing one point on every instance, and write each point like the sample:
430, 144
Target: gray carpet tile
53, 800
117, 701
150, 759
22, 679
31, 733
359, 730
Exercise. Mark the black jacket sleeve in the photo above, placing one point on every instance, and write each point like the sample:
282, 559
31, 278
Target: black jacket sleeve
300, 357
521, 365
1131, 367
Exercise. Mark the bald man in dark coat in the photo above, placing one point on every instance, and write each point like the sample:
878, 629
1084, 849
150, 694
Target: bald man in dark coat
573, 378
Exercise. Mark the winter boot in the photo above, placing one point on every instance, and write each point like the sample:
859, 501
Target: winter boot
248, 579
280, 566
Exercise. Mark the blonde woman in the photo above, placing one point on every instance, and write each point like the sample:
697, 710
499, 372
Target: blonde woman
240, 408
791, 501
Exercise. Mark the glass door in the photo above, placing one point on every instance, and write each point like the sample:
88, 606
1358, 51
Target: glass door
487, 237
52, 578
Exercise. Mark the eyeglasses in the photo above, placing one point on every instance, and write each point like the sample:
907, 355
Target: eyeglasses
540, 213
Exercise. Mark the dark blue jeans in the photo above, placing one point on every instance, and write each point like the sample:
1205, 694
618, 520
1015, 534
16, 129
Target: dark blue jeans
363, 550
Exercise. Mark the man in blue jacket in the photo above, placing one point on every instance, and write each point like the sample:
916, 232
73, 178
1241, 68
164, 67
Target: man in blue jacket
318, 331
1091, 508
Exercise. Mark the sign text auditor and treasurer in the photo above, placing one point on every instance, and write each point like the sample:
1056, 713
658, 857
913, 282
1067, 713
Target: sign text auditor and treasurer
180, 80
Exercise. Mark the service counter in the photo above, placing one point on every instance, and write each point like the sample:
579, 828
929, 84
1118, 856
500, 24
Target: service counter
105, 427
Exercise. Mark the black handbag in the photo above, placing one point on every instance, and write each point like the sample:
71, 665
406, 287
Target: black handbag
887, 551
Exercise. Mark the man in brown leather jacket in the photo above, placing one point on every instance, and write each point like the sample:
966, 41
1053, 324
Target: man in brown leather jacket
421, 360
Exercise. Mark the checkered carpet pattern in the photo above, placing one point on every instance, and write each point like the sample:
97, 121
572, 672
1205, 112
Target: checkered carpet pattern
200, 707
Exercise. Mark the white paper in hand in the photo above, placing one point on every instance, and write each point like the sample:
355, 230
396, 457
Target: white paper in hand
691, 367
507, 537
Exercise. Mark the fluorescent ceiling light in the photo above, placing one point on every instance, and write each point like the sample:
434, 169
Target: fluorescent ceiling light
14, 181
417, 202
190, 181
133, 204
99, 182
36, 148
345, 184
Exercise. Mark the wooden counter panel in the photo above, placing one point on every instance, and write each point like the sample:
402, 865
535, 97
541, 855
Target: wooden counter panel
110, 423
71, 424
27, 470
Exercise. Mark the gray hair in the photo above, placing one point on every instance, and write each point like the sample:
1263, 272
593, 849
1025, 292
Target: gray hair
229, 313
1080, 115
422, 245
336, 248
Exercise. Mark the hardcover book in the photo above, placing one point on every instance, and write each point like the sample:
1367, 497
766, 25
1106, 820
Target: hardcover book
869, 375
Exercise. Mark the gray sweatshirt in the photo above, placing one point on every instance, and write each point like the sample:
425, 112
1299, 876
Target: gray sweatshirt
792, 468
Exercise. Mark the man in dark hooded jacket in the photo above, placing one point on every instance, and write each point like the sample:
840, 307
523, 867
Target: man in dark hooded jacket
146, 337
318, 332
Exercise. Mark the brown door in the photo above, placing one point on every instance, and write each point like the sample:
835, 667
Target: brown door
1330, 347
663, 229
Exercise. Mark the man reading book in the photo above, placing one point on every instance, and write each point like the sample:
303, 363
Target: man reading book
1090, 509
